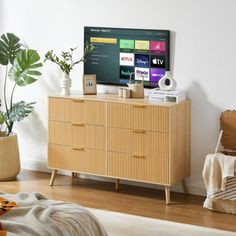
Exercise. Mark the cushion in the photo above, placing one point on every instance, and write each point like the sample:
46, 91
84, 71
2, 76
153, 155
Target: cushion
228, 125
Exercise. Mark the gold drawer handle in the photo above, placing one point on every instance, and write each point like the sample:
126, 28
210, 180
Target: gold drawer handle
140, 131
139, 106
78, 149
78, 100
139, 156
78, 124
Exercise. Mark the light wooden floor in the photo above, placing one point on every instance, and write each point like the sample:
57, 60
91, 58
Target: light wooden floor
132, 200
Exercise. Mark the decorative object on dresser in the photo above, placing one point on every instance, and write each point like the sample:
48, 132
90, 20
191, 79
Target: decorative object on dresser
66, 64
24, 65
158, 95
167, 83
136, 89
129, 139
89, 84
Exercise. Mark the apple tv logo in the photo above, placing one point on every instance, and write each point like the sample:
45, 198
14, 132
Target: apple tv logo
158, 61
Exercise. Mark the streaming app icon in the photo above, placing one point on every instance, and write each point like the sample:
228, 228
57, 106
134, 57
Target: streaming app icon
157, 47
158, 61
142, 60
156, 74
141, 45
125, 71
126, 59
141, 73
126, 43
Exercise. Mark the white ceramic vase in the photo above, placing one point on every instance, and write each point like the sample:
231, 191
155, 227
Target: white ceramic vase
65, 84
167, 83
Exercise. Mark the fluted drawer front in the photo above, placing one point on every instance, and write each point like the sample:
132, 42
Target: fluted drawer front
118, 140
59, 109
88, 112
155, 144
131, 116
118, 115
77, 134
138, 167
77, 159
60, 133
158, 119
77, 110
61, 157
90, 136
93, 161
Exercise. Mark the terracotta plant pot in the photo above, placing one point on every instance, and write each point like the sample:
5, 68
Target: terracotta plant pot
9, 157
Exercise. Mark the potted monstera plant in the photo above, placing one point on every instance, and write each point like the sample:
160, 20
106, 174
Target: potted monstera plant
21, 68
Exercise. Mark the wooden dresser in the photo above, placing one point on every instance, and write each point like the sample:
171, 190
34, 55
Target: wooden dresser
132, 139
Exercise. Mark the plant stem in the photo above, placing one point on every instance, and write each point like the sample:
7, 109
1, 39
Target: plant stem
5, 93
77, 62
12, 93
5, 100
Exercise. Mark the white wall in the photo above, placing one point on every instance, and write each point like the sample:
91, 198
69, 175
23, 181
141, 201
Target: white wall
203, 57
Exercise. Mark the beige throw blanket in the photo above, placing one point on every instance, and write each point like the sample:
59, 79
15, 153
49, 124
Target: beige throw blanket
35, 215
216, 169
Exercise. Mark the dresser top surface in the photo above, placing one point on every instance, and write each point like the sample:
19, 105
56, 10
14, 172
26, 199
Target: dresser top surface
104, 97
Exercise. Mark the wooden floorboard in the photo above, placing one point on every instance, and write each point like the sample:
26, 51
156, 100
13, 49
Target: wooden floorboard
130, 199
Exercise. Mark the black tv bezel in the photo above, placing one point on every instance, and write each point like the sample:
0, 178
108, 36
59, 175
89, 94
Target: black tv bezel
120, 28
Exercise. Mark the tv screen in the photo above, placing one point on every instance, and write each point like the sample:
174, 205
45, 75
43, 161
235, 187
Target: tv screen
120, 52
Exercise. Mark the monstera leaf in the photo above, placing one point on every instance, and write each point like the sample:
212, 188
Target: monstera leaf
9, 47
24, 69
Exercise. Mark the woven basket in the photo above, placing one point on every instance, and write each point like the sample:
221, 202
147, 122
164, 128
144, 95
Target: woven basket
225, 201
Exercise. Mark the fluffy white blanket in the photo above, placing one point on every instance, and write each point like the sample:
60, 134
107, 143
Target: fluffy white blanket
34, 215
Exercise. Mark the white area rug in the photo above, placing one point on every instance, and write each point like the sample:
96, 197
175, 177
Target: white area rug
119, 224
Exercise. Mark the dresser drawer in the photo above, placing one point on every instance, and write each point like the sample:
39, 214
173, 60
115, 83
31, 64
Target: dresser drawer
88, 112
77, 134
90, 161
77, 110
61, 157
76, 159
140, 142
118, 115
59, 109
137, 116
118, 140
138, 167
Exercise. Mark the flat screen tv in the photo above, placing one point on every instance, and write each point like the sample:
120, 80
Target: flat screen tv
122, 51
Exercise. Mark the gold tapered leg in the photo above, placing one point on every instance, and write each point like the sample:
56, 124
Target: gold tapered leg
54, 172
117, 184
167, 193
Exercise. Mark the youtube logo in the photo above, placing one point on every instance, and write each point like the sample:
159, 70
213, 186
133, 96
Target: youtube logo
158, 61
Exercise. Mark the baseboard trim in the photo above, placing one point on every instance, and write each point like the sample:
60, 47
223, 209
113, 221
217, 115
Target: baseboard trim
42, 167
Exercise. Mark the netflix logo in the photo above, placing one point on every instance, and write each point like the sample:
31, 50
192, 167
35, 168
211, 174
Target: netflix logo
126, 59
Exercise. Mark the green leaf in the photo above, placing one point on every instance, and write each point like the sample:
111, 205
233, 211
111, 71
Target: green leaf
2, 118
24, 69
9, 47
20, 110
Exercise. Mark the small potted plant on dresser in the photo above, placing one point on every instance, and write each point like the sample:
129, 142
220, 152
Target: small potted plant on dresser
21, 67
66, 64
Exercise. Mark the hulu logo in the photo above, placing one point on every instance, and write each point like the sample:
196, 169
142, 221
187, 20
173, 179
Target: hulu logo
126, 73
